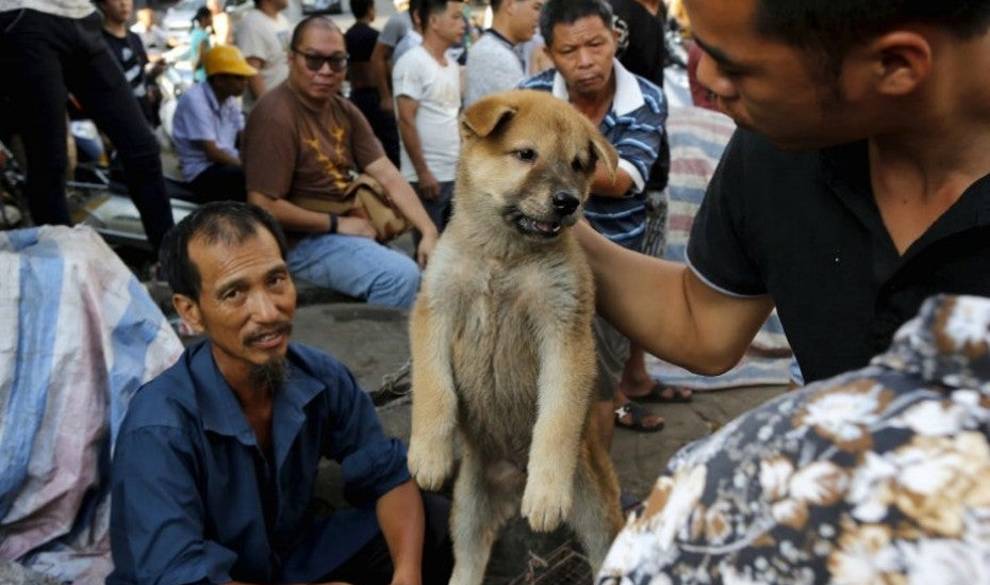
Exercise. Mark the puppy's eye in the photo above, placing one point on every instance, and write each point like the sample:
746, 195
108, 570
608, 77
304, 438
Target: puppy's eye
577, 165
525, 154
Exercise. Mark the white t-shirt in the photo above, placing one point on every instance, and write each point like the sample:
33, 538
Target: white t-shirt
438, 91
266, 38
74, 9
492, 66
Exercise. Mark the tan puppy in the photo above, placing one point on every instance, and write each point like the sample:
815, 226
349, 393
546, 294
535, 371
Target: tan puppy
502, 346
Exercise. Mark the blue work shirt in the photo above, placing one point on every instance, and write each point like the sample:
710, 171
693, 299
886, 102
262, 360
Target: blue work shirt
195, 499
199, 116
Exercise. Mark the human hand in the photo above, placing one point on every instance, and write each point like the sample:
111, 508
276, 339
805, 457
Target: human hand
386, 105
355, 226
428, 186
406, 576
425, 249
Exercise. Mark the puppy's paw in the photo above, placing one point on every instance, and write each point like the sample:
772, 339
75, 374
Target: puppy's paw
430, 462
544, 505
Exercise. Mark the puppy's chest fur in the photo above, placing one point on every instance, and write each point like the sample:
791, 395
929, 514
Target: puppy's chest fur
500, 312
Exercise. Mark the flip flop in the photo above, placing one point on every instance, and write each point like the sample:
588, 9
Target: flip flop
656, 394
636, 412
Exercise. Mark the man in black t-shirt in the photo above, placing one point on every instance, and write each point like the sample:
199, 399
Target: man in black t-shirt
640, 26
128, 49
858, 185
360, 40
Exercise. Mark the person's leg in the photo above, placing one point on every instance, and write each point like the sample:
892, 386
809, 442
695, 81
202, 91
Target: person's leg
31, 47
358, 267
637, 384
96, 79
438, 209
219, 183
612, 351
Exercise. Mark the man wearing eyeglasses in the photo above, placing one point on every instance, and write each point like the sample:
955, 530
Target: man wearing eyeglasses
305, 146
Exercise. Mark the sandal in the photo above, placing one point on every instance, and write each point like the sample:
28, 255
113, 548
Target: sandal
667, 394
636, 414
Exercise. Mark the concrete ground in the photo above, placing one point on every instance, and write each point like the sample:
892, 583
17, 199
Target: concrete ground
374, 343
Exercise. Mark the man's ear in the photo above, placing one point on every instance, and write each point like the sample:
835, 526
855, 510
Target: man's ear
604, 152
188, 309
485, 115
897, 63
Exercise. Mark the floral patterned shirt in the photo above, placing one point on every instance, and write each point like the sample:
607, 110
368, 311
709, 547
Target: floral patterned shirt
881, 475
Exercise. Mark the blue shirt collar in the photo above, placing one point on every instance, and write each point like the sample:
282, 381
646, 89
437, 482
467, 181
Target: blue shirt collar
222, 413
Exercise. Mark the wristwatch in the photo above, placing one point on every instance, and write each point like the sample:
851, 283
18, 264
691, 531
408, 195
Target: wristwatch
333, 223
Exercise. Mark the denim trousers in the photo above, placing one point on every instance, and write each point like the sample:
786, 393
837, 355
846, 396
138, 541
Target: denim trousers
43, 57
358, 267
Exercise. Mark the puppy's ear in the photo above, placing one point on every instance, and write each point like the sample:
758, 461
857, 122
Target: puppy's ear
601, 150
485, 115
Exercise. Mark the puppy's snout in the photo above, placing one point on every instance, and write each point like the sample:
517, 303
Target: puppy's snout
565, 203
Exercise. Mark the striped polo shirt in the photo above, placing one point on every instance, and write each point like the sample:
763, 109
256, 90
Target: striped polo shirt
635, 127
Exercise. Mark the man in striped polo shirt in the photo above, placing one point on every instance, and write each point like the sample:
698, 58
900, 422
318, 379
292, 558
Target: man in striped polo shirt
630, 112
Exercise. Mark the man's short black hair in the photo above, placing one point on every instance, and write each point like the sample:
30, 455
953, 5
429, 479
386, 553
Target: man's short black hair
831, 27
568, 11
319, 20
360, 8
427, 8
230, 222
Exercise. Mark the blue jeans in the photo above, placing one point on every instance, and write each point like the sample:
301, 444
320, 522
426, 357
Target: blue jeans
357, 267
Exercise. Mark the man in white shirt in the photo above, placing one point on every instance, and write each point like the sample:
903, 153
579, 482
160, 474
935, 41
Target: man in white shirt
427, 87
263, 38
493, 64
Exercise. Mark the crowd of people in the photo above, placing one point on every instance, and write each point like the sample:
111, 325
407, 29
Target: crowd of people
854, 190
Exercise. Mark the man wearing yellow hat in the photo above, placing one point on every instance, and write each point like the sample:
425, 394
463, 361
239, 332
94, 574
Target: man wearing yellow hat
207, 126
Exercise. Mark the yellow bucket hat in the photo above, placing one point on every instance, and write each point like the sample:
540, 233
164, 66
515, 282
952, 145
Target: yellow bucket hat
227, 60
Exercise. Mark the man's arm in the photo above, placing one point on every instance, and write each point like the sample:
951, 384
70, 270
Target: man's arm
605, 186
429, 187
380, 56
668, 310
256, 84
403, 522
216, 154
383, 171
293, 218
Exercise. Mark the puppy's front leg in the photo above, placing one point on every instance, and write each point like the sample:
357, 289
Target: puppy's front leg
566, 379
434, 404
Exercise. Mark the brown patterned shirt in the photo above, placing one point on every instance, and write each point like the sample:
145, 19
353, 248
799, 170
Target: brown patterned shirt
881, 475
293, 150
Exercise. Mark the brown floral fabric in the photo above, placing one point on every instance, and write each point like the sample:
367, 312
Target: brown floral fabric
881, 475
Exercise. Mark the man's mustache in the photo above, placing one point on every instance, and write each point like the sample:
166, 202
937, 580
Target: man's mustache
278, 329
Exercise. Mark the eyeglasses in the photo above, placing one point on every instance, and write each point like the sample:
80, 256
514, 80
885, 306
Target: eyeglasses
314, 62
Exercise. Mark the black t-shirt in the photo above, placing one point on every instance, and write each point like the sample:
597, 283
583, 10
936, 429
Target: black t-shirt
360, 41
129, 52
641, 39
805, 229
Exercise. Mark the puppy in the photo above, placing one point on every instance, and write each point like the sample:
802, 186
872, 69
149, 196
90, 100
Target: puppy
502, 345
